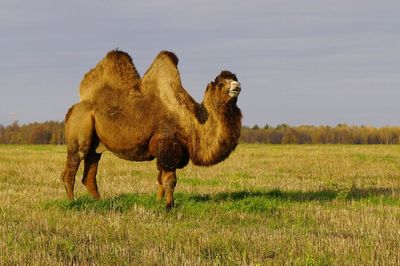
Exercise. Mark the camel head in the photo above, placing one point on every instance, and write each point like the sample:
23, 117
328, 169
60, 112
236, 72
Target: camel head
224, 89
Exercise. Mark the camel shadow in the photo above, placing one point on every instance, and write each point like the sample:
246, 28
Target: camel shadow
300, 196
127, 201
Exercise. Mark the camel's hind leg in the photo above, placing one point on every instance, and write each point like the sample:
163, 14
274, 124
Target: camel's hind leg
68, 175
89, 173
79, 129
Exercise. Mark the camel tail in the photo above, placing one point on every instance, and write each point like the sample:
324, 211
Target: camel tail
69, 113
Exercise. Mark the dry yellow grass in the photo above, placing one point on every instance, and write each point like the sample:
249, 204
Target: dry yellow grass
302, 205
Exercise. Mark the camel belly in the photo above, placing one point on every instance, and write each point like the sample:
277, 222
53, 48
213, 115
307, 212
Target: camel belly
131, 145
134, 155
137, 153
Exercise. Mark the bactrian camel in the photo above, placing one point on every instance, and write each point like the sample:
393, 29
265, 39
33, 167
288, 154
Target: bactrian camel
139, 119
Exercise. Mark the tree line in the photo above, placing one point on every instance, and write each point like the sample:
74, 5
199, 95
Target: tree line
52, 132
340, 134
49, 132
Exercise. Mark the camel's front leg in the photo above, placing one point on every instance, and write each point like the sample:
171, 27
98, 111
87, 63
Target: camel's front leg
161, 190
170, 156
168, 179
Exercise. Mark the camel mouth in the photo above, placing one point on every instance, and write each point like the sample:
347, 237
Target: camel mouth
234, 89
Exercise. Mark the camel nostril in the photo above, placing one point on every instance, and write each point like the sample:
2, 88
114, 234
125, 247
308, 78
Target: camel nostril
235, 84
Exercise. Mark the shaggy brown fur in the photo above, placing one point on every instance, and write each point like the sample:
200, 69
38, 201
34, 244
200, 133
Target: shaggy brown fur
115, 70
157, 119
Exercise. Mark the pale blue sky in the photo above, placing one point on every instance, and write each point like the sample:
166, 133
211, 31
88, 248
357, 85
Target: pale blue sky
299, 62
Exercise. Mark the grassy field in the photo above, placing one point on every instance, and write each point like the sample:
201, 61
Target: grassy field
301, 205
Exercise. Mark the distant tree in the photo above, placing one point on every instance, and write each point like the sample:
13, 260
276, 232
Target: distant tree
289, 137
280, 126
2, 132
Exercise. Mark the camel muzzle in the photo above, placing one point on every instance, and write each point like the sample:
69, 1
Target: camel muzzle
234, 89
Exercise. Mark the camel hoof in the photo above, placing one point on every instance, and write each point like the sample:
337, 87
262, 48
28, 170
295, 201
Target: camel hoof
169, 206
95, 195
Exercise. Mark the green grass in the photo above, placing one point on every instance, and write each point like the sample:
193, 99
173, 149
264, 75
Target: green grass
265, 205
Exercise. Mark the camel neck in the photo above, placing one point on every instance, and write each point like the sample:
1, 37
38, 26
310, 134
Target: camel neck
216, 134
